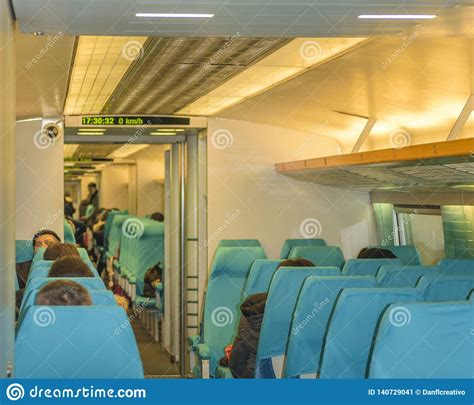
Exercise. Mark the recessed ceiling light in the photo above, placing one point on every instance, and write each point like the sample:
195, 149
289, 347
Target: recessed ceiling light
92, 129
162, 133
173, 15
90, 133
398, 16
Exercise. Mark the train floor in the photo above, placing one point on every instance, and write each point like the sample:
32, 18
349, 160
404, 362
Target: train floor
156, 361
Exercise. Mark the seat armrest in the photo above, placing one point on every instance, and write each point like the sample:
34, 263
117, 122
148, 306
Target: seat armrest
193, 341
203, 351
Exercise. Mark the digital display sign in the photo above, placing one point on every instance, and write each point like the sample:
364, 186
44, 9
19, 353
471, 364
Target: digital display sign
134, 121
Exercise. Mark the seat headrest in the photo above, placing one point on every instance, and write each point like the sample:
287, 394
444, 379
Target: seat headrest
235, 261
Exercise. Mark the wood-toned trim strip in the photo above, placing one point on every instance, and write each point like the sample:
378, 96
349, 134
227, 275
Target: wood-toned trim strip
461, 147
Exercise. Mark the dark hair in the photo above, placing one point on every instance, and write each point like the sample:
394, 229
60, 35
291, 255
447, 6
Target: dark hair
63, 292
92, 184
45, 232
298, 262
60, 250
70, 266
376, 253
157, 216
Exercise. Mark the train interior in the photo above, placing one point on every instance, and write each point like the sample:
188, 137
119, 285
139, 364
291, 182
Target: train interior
188, 159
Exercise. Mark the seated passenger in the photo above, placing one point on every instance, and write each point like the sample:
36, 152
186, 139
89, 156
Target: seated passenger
59, 250
63, 292
152, 277
244, 349
376, 253
43, 238
157, 216
70, 267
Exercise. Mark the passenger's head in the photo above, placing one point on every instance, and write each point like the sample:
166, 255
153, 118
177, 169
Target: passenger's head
298, 262
376, 253
70, 267
92, 187
45, 238
59, 250
157, 216
63, 292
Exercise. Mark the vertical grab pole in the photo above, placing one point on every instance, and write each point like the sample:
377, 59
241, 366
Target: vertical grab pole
182, 354
7, 190
175, 251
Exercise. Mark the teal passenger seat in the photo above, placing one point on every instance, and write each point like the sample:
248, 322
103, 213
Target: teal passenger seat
445, 287
260, 276
310, 319
321, 256
435, 342
227, 277
408, 254
282, 296
352, 326
23, 251
68, 233
291, 243
403, 276
239, 243
76, 342
457, 266
366, 267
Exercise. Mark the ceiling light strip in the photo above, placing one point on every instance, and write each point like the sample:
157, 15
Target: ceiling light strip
398, 16
174, 15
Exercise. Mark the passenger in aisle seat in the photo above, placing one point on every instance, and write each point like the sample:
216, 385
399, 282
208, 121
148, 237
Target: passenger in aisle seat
152, 277
157, 216
63, 292
70, 267
60, 250
244, 349
43, 238
376, 253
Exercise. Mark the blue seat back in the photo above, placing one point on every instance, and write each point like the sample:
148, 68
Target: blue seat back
444, 287
291, 243
76, 342
108, 226
227, 277
457, 266
408, 254
367, 267
310, 320
403, 276
99, 297
260, 276
68, 233
239, 243
352, 325
321, 256
132, 228
436, 343
281, 301
146, 251
116, 233
23, 251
